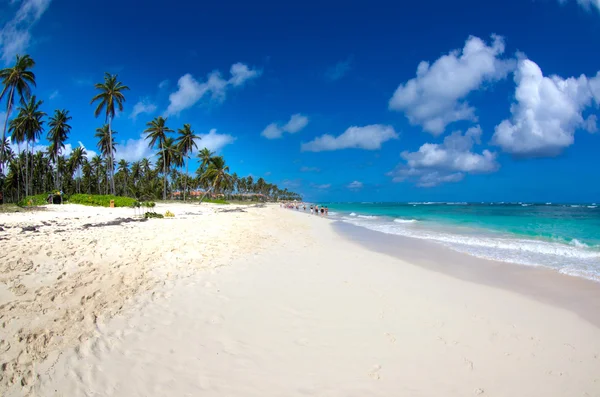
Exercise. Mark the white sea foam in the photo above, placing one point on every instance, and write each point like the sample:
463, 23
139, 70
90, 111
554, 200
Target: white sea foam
367, 216
592, 206
399, 220
576, 257
578, 243
352, 214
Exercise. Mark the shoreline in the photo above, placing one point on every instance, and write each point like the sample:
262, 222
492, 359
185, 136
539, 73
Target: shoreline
576, 294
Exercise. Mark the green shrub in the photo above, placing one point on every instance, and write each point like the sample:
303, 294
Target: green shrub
148, 215
101, 200
39, 199
215, 201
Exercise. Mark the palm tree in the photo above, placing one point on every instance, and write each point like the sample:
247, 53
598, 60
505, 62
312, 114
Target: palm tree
157, 132
218, 173
76, 162
28, 126
59, 131
123, 169
96, 164
170, 155
19, 78
205, 156
105, 141
17, 136
111, 94
186, 142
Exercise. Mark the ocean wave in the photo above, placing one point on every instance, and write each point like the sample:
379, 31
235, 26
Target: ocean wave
367, 216
399, 220
516, 250
461, 203
592, 206
352, 214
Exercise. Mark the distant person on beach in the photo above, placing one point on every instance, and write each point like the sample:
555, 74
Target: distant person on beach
326, 211
322, 211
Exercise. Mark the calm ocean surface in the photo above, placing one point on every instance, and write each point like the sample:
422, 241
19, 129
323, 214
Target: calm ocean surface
565, 237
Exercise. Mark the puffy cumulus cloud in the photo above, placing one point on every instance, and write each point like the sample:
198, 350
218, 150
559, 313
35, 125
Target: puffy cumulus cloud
296, 124
272, 131
240, 73
133, 150
15, 36
449, 161
214, 141
435, 97
355, 185
369, 137
143, 106
190, 91
547, 112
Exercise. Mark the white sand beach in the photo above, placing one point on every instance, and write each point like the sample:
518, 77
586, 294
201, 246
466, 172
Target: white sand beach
249, 301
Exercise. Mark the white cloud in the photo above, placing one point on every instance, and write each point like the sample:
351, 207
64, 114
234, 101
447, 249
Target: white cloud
66, 151
143, 106
433, 163
355, 185
369, 137
15, 36
55, 94
240, 73
214, 141
163, 84
272, 131
547, 112
436, 96
296, 124
191, 91
591, 124
133, 150
323, 186
339, 70
586, 4
310, 169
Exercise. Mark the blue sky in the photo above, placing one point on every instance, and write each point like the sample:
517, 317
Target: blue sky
358, 101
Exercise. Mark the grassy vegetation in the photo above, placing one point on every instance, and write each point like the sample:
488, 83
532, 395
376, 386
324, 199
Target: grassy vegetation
215, 201
36, 200
101, 200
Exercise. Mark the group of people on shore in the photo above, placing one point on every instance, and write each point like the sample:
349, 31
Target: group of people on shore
314, 209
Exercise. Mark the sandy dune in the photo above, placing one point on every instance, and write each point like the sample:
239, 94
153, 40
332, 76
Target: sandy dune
269, 302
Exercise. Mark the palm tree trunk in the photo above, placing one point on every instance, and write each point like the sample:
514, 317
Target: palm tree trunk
205, 193
111, 159
26, 166
18, 172
2, 152
187, 170
164, 173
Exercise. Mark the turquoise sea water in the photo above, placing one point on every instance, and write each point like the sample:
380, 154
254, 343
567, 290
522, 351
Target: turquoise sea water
565, 237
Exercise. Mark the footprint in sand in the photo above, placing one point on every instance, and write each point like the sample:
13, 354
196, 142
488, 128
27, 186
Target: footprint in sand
374, 374
390, 337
